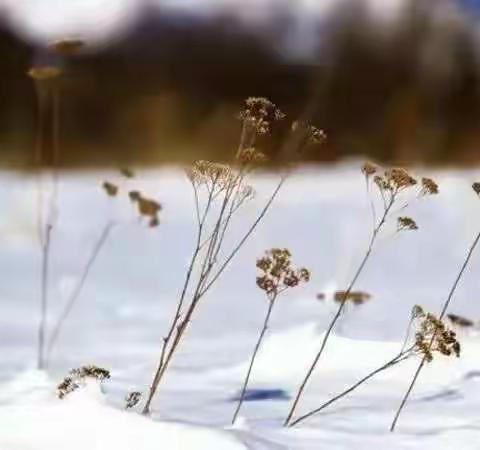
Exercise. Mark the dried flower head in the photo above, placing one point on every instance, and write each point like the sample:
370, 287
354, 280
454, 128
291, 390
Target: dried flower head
429, 187
77, 378
399, 178
460, 321
44, 73
369, 169
277, 273
127, 173
132, 399
215, 176
355, 297
476, 188
259, 113
110, 188
406, 223
147, 207
67, 46
251, 155
417, 312
433, 336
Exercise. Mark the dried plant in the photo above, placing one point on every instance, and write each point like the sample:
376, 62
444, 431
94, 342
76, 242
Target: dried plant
460, 321
392, 186
47, 92
276, 276
112, 191
132, 399
220, 190
77, 378
425, 359
432, 337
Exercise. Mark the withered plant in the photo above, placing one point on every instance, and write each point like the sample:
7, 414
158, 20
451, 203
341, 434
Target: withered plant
46, 87
220, 191
112, 191
432, 337
395, 188
471, 250
77, 378
276, 276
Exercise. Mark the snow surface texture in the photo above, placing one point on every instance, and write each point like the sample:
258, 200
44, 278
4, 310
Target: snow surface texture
322, 216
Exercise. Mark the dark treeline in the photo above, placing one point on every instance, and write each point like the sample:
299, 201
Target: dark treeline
170, 89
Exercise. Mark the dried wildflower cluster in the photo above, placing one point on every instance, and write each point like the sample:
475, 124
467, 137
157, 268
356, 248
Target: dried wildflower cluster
476, 188
147, 207
259, 114
77, 378
460, 321
393, 182
433, 336
406, 223
277, 273
132, 399
313, 135
356, 297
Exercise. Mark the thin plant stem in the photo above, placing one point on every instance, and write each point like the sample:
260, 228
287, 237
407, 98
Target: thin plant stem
99, 244
44, 297
340, 309
252, 360
404, 354
432, 340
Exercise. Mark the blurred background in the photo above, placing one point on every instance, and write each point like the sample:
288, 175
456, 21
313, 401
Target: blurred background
161, 81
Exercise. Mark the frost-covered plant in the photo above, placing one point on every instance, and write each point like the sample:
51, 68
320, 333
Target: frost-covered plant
77, 378
220, 190
425, 359
432, 337
394, 188
276, 276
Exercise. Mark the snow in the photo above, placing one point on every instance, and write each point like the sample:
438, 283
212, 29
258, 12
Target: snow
323, 217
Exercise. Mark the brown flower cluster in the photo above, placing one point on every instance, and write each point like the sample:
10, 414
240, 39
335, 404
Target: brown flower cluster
429, 187
394, 180
355, 297
77, 377
216, 177
476, 188
433, 336
259, 113
132, 399
277, 273
406, 223
147, 207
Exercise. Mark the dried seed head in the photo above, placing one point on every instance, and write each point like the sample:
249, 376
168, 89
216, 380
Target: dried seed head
67, 46
215, 176
369, 169
429, 187
251, 155
399, 178
433, 336
406, 223
277, 273
476, 188
77, 378
132, 399
460, 321
127, 173
110, 189
44, 73
417, 312
355, 297
259, 113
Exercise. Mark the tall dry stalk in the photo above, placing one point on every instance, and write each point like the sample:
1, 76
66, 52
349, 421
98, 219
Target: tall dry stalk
390, 186
476, 188
277, 275
46, 87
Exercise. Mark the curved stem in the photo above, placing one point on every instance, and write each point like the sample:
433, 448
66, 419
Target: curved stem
252, 360
339, 311
398, 359
442, 314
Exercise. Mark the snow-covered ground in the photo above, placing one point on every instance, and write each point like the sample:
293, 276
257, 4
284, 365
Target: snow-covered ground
323, 217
